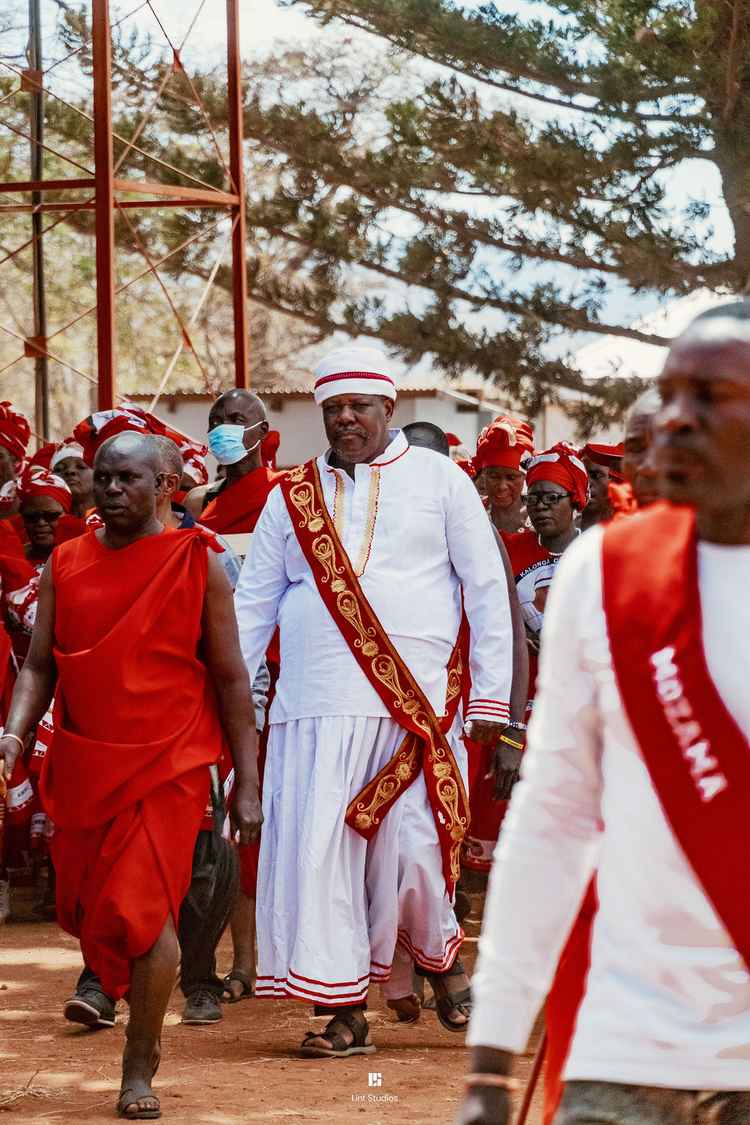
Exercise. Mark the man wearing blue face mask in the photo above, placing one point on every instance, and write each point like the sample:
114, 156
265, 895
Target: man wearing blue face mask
237, 424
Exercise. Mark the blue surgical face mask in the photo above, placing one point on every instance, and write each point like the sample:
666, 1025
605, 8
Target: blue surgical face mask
227, 442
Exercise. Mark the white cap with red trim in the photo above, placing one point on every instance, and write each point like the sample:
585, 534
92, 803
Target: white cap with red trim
354, 371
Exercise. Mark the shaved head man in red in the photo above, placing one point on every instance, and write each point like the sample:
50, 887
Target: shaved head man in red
129, 615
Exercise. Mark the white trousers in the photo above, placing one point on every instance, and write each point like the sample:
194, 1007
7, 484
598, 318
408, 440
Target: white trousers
331, 906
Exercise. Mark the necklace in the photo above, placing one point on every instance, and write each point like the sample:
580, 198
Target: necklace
557, 554
372, 515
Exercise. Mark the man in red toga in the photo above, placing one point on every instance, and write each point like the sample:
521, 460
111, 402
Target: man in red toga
237, 426
130, 615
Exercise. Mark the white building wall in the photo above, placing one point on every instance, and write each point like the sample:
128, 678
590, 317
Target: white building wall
301, 427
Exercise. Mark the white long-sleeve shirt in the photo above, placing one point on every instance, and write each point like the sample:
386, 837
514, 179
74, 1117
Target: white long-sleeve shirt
668, 998
415, 522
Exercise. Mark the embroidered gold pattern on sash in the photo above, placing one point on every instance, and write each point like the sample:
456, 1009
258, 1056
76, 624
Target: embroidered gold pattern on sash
325, 553
397, 775
455, 679
303, 497
349, 609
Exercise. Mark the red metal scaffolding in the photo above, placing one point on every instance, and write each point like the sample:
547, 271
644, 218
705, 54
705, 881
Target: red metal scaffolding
106, 201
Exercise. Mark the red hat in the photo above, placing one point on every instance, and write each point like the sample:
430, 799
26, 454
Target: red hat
562, 465
36, 481
506, 442
607, 455
15, 430
453, 440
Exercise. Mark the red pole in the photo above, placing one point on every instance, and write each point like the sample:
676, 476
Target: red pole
236, 168
104, 206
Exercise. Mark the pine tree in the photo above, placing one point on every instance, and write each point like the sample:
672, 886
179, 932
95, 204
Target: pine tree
471, 185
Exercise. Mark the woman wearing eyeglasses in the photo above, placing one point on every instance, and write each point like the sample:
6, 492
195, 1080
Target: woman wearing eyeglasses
557, 485
557, 488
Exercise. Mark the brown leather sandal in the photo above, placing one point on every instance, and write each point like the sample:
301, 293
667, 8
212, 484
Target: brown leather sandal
341, 1047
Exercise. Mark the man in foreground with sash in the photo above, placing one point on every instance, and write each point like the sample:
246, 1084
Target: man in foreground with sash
639, 768
129, 616
360, 557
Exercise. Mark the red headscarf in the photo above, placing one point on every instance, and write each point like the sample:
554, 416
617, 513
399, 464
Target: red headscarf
93, 431
15, 430
44, 455
506, 442
36, 481
561, 465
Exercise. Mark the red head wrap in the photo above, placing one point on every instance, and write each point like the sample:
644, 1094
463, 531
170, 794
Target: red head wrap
44, 455
93, 431
561, 465
15, 431
193, 459
506, 442
36, 481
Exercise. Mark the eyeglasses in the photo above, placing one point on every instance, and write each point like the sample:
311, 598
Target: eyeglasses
41, 517
545, 499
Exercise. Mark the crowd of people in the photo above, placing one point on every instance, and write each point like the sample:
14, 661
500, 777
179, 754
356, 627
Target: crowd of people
353, 650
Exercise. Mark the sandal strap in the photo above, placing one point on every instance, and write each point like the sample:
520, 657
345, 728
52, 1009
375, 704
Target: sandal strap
239, 975
454, 1000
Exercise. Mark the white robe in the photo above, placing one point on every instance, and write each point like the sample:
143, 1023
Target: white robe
331, 907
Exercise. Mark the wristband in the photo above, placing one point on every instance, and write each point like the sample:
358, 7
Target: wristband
511, 742
499, 1081
15, 738
514, 724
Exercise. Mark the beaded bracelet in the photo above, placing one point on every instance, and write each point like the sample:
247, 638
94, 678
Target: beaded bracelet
499, 1081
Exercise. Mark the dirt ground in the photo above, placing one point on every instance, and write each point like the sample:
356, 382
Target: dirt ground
240, 1070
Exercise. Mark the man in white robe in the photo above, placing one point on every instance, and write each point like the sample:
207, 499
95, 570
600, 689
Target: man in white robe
333, 906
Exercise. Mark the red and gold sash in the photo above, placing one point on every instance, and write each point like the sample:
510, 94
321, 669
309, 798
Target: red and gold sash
425, 747
698, 758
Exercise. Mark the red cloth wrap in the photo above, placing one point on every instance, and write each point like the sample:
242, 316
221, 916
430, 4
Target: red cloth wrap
37, 481
136, 725
15, 430
504, 443
561, 465
236, 509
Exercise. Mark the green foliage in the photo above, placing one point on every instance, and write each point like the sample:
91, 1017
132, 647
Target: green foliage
470, 185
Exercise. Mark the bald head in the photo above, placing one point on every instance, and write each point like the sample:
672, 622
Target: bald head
140, 448
236, 407
428, 436
645, 406
171, 458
